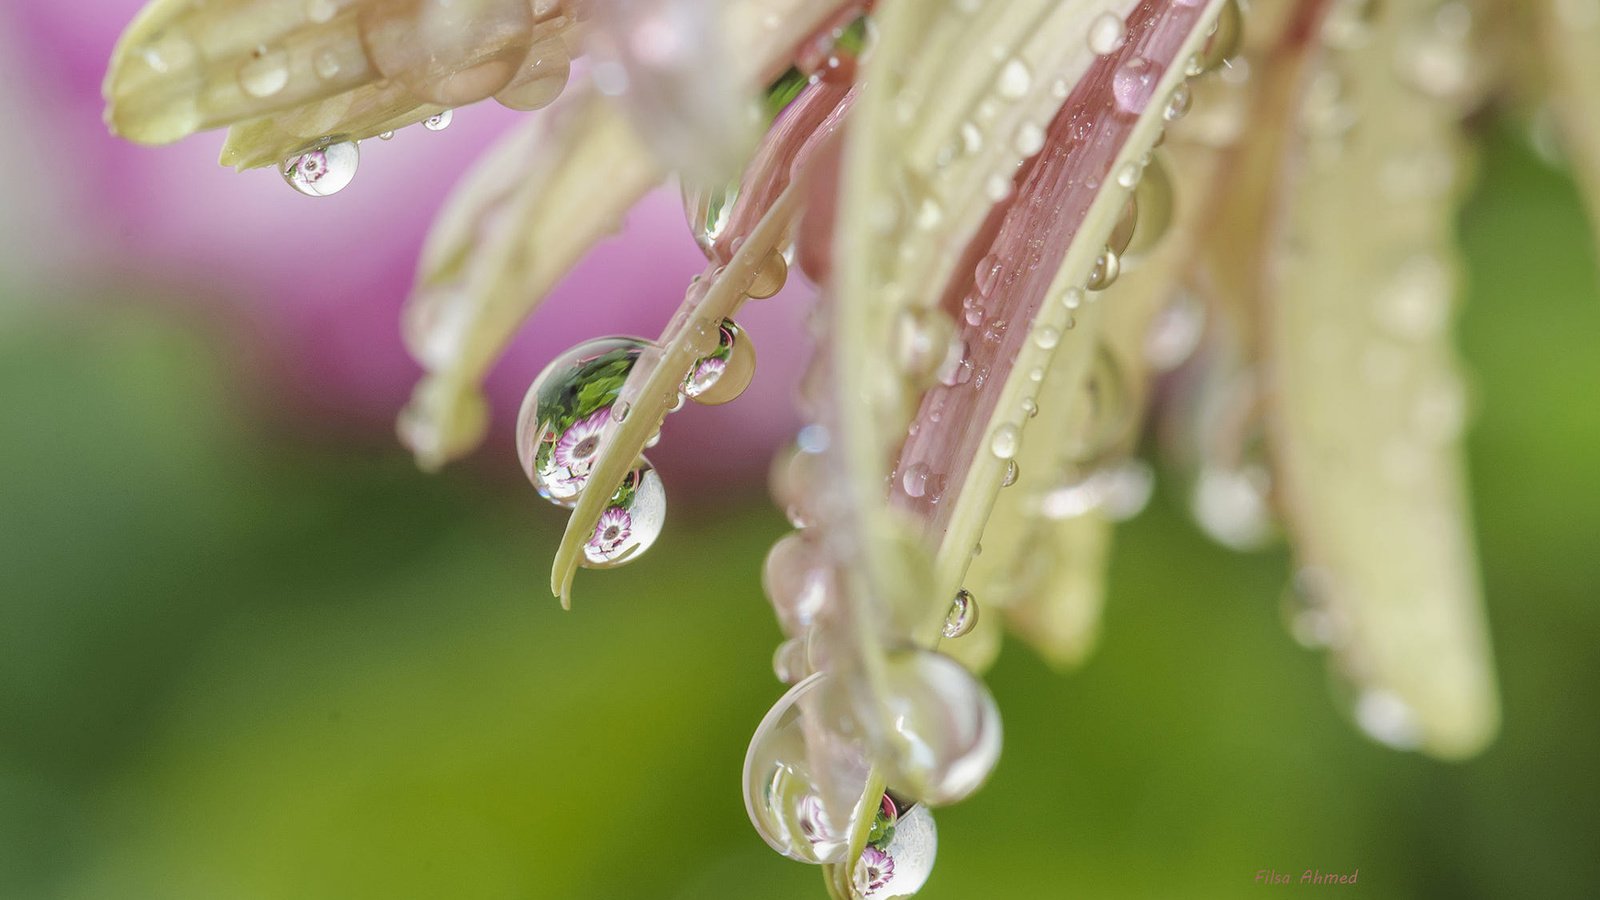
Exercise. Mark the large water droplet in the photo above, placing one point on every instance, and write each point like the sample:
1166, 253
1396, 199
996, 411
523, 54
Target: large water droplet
937, 727
632, 521
723, 375
566, 415
783, 793
963, 615
899, 863
324, 170
1134, 83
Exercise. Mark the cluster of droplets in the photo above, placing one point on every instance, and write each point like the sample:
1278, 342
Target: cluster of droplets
330, 165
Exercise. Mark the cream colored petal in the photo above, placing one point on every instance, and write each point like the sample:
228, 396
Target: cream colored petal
188, 65
1365, 405
385, 106
1569, 33
524, 216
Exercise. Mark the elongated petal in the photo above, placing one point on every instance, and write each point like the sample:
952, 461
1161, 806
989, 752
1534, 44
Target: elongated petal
378, 108
1365, 405
767, 209
1569, 33
189, 65
524, 216
909, 211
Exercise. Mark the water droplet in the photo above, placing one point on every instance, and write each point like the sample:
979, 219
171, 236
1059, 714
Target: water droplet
386, 136
789, 661
1177, 103
1014, 80
963, 615
1128, 174
922, 342
327, 63
723, 375
1012, 472
937, 728
1106, 269
1047, 337
997, 187
1134, 83
920, 481
1231, 505
1415, 305
1107, 33
1307, 611
319, 12
1388, 719
899, 863
1072, 298
798, 581
1005, 441
1175, 332
770, 277
439, 122
631, 523
1030, 139
567, 413
785, 794
709, 211
325, 170
1029, 407
265, 73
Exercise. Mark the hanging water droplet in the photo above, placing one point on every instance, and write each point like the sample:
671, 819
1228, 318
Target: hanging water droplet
439, 122
567, 414
769, 277
1134, 83
900, 862
265, 73
938, 731
1030, 408
722, 376
632, 521
324, 170
1106, 34
1177, 103
1012, 472
921, 482
784, 794
1106, 269
963, 615
1128, 174
1005, 441
709, 211
386, 136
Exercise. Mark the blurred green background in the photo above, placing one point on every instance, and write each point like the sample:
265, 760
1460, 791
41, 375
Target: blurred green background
244, 661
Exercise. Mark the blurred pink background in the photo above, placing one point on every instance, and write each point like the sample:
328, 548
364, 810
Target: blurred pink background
318, 284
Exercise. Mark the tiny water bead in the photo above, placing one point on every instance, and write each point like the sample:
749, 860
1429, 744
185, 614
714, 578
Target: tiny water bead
783, 793
567, 410
631, 523
440, 121
941, 730
770, 277
324, 170
899, 855
724, 375
963, 615
265, 72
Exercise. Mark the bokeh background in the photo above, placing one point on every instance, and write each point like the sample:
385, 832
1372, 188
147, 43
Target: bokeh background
248, 651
